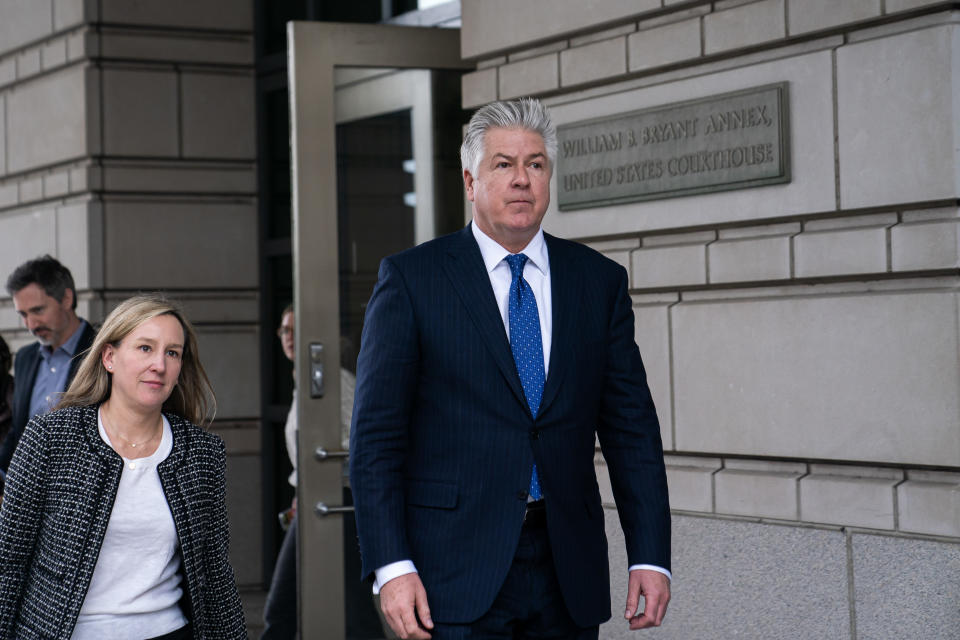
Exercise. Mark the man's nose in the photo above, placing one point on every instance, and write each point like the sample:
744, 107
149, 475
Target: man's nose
32, 322
520, 177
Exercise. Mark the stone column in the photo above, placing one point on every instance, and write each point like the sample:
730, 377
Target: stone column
127, 151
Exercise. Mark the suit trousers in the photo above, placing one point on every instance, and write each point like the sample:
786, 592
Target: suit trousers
529, 604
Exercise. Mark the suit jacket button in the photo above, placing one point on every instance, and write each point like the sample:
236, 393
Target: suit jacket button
521, 495
535, 434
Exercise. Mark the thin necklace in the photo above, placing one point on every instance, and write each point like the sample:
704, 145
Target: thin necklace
133, 445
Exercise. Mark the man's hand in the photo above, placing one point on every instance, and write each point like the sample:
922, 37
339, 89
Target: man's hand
655, 589
403, 600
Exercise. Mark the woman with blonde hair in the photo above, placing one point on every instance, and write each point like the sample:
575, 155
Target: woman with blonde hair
114, 524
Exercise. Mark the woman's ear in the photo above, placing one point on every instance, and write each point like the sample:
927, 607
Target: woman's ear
106, 358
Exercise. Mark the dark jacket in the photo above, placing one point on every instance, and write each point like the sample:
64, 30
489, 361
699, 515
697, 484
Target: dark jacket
60, 493
6, 403
443, 440
24, 373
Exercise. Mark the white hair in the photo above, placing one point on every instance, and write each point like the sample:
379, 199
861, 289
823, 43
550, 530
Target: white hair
525, 113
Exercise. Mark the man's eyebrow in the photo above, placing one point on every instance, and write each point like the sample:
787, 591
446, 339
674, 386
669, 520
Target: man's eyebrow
500, 154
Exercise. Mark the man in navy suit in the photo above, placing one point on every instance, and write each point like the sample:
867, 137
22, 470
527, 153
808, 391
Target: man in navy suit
46, 300
491, 360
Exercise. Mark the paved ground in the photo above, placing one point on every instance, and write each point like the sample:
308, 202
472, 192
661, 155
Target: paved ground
253, 600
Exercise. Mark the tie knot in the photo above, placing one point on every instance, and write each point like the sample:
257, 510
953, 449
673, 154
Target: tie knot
516, 262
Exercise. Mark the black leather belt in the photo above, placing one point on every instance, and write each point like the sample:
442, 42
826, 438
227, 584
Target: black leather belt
536, 515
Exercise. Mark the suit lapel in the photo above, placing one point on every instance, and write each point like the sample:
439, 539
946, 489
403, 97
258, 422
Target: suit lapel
465, 268
564, 288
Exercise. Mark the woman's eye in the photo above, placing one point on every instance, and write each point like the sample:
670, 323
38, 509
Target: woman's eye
173, 354
145, 348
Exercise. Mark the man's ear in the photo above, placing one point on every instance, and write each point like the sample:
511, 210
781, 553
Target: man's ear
468, 184
67, 302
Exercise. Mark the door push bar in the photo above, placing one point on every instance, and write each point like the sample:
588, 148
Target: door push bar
321, 454
323, 509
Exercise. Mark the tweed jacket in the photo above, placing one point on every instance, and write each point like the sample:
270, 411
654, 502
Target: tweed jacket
60, 492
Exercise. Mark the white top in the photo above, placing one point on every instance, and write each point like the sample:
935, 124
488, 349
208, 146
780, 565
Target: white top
348, 383
290, 437
536, 271
135, 589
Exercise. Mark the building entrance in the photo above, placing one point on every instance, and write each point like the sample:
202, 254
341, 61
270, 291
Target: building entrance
375, 120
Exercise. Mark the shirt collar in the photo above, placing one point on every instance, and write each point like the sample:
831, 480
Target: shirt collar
70, 346
493, 253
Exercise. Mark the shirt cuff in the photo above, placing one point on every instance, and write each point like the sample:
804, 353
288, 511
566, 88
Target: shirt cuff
388, 572
651, 567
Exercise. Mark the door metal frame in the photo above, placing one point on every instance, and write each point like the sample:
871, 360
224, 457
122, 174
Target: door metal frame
314, 50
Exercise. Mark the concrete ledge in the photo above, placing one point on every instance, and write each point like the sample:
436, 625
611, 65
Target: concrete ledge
535, 52
690, 480
744, 26
749, 259
663, 45
759, 488
930, 245
171, 46
929, 502
812, 15
606, 34
669, 266
853, 496
529, 77
180, 177
832, 253
479, 88
595, 61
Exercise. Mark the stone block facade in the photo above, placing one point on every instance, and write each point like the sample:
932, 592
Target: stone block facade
127, 151
801, 340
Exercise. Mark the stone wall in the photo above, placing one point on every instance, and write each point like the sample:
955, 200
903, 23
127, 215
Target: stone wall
127, 151
801, 339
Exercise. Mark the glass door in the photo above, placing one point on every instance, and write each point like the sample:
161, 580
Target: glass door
375, 115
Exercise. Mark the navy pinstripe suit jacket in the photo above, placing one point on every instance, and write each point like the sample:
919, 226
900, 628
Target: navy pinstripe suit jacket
443, 442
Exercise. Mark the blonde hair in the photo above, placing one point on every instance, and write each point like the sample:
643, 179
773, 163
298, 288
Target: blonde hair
192, 397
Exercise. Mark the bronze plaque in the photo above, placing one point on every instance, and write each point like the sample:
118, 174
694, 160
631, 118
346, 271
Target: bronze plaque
729, 141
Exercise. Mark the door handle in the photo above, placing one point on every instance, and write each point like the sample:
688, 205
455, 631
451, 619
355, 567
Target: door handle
321, 454
316, 370
322, 509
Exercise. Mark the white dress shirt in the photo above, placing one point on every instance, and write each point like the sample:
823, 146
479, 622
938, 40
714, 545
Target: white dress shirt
536, 271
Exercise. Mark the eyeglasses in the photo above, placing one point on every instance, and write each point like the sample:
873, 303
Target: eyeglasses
284, 331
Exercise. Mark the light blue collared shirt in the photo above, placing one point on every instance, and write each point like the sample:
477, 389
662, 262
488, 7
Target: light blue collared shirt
52, 373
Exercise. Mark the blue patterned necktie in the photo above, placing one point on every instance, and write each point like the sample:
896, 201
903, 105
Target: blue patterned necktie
526, 345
